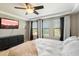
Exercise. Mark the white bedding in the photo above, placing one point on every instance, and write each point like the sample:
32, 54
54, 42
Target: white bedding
48, 47
69, 40
71, 49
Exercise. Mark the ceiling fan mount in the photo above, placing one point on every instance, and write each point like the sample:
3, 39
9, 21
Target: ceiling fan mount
30, 8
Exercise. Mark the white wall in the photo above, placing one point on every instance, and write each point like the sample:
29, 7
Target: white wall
11, 32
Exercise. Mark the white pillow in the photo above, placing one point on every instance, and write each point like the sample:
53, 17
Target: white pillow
69, 39
78, 38
71, 49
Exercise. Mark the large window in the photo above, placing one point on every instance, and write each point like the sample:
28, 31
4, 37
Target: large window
51, 28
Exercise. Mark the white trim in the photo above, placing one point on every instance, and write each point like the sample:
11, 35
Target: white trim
52, 15
12, 15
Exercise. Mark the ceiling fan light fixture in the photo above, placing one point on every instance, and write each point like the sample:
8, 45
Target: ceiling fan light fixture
29, 9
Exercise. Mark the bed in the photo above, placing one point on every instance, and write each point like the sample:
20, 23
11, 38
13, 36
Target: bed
38, 47
45, 47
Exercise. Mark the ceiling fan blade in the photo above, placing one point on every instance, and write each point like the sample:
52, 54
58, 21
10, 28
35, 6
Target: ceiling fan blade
20, 8
39, 7
36, 12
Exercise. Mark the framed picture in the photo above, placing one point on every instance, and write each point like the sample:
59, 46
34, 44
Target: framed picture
8, 24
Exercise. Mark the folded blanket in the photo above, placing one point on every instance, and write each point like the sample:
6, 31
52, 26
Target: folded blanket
25, 49
4, 53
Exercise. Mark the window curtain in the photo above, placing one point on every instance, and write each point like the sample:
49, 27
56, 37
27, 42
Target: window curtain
37, 30
66, 27
0, 22
62, 28
42, 28
31, 34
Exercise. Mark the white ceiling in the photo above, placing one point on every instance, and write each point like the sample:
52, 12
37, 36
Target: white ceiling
50, 9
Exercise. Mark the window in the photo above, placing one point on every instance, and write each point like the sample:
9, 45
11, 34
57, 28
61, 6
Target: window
45, 29
35, 29
51, 28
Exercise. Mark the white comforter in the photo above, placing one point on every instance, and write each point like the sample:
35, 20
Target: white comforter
48, 47
71, 49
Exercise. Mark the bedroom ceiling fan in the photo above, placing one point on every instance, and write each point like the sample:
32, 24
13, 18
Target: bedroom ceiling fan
30, 8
